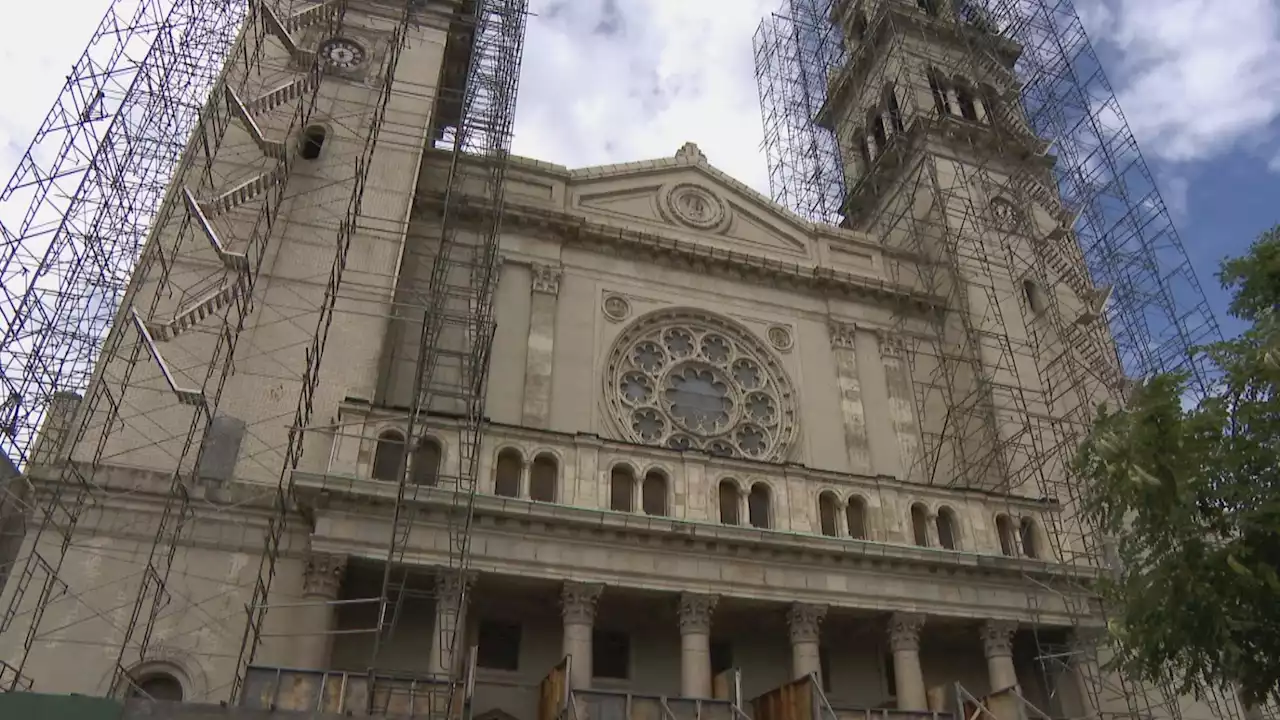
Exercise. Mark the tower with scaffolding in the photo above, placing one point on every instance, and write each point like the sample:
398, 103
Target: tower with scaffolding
982, 141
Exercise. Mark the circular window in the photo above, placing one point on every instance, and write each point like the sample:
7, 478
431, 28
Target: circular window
687, 380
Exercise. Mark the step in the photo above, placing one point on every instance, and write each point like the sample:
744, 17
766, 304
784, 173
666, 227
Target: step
186, 396
270, 148
232, 261
244, 192
187, 318
291, 90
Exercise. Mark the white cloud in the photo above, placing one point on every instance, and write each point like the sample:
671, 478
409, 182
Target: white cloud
1196, 78
609, 81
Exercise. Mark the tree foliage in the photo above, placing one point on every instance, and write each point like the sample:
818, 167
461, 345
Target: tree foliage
1188, 491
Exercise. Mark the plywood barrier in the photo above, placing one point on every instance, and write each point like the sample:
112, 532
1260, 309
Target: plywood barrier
553, 692
794, 701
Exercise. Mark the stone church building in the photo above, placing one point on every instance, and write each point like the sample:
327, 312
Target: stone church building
701, 454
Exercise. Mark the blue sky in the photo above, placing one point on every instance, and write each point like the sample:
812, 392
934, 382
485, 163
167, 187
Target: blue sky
609, 81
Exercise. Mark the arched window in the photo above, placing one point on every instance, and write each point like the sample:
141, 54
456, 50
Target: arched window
1004, 528
653, 494
426, 462
964, 96
622, 487
1035, 298
878, 130
990, 100
388, 456
891, 106
156, 686
758, 506
506, 474
920, 525
542, 478
827, 505
1027, 531
946, 522
939, 91
729, 502
312, 141
927, 6
855, 514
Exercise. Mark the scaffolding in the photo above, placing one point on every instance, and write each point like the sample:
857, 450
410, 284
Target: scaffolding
159, 195
981, 144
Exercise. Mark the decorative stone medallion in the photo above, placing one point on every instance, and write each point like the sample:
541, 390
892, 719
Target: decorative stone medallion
687, 379
1004, 215
780, 338
616, 307
695, 206
342, 53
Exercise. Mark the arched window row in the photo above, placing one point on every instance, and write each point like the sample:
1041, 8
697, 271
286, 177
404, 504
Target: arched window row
944, 523
957, 96
425, 459
753, 503
1018, 538
538, 480
883, 123
628, 492
842, 518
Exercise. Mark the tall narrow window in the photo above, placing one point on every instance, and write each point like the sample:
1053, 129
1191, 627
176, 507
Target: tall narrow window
506, 480
542, 478
1004, 528
895, 112
827, 513
610, 654
758, 506
426, 462
622, 487
388, 456
864, 148
1027, 531
920, 525
498, 645
653, 494
729, 502
927, 6
312, 141
1035, 299
946, 522
939, 92
856, 517
878, 130
964, 95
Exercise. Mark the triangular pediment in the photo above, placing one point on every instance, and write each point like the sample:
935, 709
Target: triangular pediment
687, 198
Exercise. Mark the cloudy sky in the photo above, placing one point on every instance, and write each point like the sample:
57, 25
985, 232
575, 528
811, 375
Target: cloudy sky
618, 80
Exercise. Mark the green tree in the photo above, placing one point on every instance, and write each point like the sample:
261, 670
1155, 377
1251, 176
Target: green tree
1189, 493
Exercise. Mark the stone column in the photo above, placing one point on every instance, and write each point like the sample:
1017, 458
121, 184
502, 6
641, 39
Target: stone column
902, 411
313, 619
451, 600
578, 606
851, 408
695, 644
904, 640
805, 623
542, 337
997, 645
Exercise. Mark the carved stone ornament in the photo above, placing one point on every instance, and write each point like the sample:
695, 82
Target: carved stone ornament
904, 631
690, 152
687, 379
780, 338
805, 622
997, 637
1004, 215
578, 602
616, 307
695, 613
892, 345
694, 206
449, 584
546, 278
842, 334
322, 576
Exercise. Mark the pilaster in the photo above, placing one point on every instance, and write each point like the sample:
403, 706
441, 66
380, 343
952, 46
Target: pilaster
852, 412
542, 332
902, 411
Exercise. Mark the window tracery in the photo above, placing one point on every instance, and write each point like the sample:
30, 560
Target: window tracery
688, 380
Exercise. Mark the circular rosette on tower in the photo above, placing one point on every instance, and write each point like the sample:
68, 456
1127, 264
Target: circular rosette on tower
687, 380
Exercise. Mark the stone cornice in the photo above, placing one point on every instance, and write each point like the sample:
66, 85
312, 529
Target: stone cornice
371, 498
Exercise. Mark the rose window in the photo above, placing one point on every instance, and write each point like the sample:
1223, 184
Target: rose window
692, 381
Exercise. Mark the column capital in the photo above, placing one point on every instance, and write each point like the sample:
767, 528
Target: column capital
322, 575
450, 584
546, 278
842, 334
892, 345
695, 613
805, 621
904, 631
997, 637
578, 602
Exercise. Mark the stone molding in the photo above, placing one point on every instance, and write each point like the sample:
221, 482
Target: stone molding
842, 334
322, 575
578, 602
904, 631
695, 613
997, 637
805, 622
546, 278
